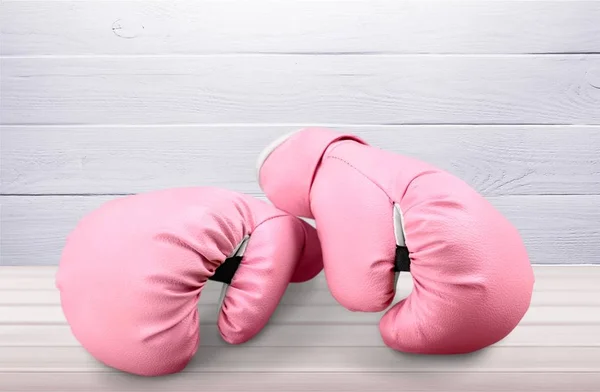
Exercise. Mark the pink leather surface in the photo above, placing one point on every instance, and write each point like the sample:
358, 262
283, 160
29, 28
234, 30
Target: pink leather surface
473, 280
132, 272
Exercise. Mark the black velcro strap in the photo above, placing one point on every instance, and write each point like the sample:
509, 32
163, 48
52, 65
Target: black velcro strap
224, 273
402, 261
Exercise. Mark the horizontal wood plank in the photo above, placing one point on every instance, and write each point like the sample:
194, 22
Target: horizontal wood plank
329, 335
495, 160
411, 89
31, 28
561, 294
325, 359
555, 229
358, 381
304, 315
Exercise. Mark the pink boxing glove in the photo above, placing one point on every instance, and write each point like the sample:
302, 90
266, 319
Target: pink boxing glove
133, 270
378, 213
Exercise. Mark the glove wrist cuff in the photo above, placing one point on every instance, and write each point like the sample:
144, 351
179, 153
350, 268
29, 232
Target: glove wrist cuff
287, 167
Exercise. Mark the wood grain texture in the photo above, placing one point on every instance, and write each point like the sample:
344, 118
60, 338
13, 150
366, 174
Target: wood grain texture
555, 229
315, 382
495, 160
411, 89
555, 348
32, 28
301, 316
325, 359
329, 335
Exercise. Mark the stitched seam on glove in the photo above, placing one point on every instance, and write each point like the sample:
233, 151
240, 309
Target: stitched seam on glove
271, 218
362, 174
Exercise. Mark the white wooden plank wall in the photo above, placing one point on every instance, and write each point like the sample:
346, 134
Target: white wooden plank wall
102, 98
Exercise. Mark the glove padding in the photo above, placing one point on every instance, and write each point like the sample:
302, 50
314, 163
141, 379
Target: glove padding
378, 213
132, 272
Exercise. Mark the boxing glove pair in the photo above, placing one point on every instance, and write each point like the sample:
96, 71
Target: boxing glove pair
133, 270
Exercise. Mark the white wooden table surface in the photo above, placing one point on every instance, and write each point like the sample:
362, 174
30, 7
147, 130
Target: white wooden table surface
313, 344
